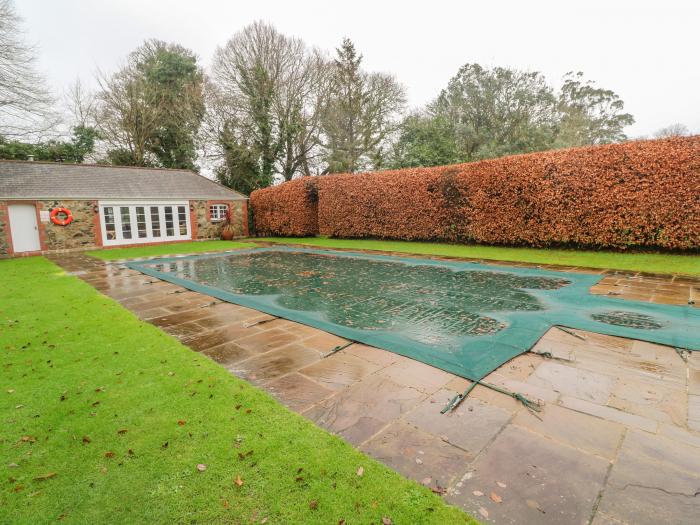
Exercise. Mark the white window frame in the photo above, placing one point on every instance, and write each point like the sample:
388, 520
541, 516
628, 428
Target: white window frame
222, 207
135, 239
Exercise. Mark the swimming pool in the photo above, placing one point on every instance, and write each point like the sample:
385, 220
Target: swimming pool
462, 317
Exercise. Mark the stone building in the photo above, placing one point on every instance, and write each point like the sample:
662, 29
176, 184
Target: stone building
108, 206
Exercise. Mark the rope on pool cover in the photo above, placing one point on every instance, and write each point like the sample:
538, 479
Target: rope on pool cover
455, 401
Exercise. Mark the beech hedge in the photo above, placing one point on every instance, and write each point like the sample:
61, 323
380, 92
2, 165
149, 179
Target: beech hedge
638, 194
288, 210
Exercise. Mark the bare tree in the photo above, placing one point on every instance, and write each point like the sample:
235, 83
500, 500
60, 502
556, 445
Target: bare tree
25, 103
673, 130
128, 115
265, 94
81, 104
298, 112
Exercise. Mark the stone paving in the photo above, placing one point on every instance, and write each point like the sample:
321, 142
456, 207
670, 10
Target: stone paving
617, 440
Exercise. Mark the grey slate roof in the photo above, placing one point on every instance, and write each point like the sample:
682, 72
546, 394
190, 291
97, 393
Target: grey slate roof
48, 180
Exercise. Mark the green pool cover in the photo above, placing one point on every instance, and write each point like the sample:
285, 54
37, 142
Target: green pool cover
462, 317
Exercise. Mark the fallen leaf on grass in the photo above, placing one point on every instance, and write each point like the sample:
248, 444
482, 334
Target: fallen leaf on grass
313, 504
122, 431
28, 439
201, 467
496, 498
86, 440
109, 454
181, 422
360, 471
238, 481
387, 521
46, 476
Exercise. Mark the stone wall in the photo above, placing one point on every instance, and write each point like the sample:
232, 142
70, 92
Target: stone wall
4, 230
80, 233
212, 230
83, 231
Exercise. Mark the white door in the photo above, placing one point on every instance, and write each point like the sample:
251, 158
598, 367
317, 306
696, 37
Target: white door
25, 232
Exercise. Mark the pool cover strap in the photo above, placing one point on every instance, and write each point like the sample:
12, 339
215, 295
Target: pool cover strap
338, 349
455, 401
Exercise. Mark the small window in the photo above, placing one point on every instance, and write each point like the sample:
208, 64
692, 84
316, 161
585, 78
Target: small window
126, 222
110, 227
169, 228
141, 222
155, 221
182, 219
217, 212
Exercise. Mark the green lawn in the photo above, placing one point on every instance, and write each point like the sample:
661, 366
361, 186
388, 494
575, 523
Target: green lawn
642, 262
105, 420
167, 249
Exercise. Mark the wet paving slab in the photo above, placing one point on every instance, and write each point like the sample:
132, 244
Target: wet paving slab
654, 480
228, 354
298, 392
341, 371
275, 363
418, 455
525, 479
616, 440
470, 427
358, 412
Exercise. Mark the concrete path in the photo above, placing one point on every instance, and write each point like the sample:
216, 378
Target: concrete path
617, 439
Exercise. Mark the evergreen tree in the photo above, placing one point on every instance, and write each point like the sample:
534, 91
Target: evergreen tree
360, 113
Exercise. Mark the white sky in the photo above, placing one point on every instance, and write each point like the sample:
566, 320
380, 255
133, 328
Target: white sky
646, 51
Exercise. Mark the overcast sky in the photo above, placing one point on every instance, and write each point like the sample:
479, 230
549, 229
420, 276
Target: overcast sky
647, 52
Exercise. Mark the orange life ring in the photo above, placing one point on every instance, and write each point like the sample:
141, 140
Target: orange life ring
61, 222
